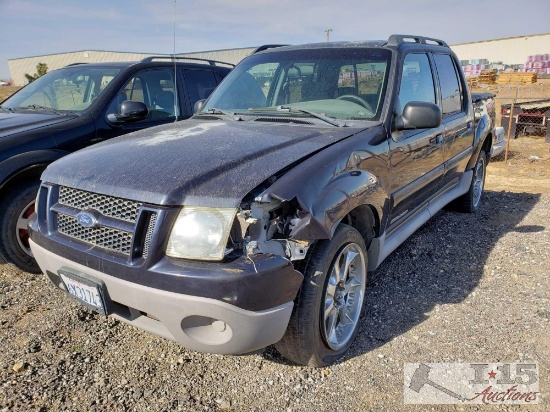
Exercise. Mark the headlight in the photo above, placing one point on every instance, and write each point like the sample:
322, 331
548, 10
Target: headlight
200, 233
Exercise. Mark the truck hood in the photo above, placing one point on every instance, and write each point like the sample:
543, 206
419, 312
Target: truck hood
18, 122
196, 162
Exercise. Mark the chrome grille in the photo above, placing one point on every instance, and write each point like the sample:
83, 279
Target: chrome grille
106, 205
149, 234
105, 237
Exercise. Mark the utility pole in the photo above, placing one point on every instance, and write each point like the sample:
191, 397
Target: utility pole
327, 34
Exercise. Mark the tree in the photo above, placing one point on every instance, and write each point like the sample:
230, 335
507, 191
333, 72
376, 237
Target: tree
41, 70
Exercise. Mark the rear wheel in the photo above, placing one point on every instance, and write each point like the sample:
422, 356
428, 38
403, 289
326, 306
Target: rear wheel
326, 313
470, 201
15, 211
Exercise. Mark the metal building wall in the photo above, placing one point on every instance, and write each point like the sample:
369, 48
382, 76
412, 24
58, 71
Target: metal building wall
513, 50
232, 56
18, 67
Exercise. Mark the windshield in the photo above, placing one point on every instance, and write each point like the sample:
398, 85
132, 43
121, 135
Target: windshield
345, 83
72, 89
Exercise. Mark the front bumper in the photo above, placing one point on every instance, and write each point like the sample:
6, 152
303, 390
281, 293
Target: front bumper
198, 323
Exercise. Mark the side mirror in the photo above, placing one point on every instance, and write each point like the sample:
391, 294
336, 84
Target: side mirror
130, 111
419, 115
199, 105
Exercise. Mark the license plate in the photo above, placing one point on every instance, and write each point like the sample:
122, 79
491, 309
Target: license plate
84, 290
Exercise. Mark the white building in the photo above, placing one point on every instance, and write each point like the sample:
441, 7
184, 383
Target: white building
18, 67
509, 51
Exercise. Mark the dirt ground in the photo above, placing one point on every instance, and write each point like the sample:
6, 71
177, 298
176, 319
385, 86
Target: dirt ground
528, 167
7, 91
526, 171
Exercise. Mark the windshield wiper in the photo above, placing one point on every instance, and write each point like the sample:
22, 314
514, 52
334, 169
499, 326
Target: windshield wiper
38, 107
289, 109
233, 116
7, 109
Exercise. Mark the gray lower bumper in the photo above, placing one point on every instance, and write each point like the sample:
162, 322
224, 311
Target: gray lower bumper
201, 324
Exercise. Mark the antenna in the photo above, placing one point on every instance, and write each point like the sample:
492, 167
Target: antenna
175, 70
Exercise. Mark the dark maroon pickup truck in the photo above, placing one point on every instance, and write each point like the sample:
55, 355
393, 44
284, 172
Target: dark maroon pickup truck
256, 221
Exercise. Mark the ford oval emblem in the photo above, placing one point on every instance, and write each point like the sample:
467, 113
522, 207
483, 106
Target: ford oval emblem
86, 219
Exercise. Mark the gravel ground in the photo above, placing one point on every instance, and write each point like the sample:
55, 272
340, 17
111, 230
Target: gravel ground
464, 288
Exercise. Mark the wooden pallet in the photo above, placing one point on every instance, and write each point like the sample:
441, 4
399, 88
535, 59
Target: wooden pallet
488, 76
517, 78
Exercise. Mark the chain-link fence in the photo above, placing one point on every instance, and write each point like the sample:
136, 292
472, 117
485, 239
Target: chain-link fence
522, 95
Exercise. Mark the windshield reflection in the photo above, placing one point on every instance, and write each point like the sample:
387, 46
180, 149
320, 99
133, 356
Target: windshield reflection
338, 83
72, 89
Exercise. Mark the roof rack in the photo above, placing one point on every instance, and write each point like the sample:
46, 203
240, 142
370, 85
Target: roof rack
397, 39
267, 46
209, 61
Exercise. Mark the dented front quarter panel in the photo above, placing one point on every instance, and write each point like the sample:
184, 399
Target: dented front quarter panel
336, 180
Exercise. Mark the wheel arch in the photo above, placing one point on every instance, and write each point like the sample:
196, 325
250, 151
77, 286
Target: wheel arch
355, 196
483, 140
29, 165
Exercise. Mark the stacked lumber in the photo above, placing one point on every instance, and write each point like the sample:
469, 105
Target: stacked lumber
517, 78
472, 81
488, 76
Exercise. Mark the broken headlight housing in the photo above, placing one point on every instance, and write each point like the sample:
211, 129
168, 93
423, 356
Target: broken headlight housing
200, 233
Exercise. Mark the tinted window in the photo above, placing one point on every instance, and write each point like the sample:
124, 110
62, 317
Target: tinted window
450, 87
416, 81
200, 83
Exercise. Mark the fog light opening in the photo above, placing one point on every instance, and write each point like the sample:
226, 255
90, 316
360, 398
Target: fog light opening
207, 330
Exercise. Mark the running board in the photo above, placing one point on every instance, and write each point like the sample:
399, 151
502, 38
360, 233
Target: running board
381, 246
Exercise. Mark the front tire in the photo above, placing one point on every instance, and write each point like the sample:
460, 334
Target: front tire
325, 317
15, 210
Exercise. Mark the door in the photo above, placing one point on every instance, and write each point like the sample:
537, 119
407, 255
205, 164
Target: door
459, 131
416, 155
154, 88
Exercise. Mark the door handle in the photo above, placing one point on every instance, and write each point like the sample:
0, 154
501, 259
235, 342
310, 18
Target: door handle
469, 126
437, 139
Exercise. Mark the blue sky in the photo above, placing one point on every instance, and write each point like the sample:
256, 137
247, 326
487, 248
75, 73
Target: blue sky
35, 27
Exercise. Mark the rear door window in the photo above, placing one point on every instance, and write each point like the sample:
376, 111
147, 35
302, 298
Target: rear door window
451, 94
200, 83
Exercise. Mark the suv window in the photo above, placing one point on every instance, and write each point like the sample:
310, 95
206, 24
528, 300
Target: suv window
339, 83
70, 89
451, 97
154, 88
200, 83
417, 81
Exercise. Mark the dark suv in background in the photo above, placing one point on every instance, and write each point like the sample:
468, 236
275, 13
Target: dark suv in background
77, 106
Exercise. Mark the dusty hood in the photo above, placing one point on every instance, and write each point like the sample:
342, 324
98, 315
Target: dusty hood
18, 122
195, 162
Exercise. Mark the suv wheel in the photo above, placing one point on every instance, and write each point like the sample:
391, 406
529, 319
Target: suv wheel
326, 313
470, 201
15, 211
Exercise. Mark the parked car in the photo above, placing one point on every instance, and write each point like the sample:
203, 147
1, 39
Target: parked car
77, 106
3, 83
528, 118
256, 221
